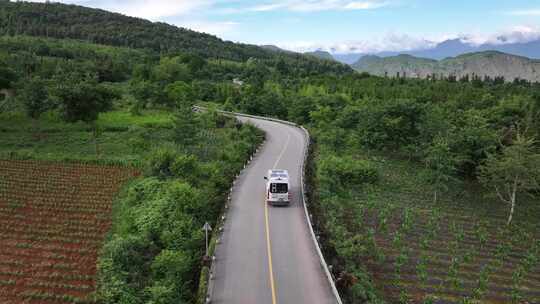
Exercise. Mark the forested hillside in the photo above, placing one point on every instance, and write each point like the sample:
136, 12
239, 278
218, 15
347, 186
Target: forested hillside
57, 20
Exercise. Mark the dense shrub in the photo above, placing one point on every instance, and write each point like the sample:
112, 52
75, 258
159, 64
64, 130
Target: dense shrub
346, 171
389, 124
160, 161
154, 253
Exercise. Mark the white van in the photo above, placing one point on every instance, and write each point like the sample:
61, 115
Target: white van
277, 187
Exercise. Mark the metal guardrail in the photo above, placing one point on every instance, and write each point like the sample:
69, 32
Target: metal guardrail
310, 225
322, 260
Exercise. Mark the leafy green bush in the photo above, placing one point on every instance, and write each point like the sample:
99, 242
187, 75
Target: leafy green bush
120, 266
172, 272
346, 171
390, 124
159, 162
185, 166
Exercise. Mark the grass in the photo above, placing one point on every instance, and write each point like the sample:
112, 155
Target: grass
402, 184
57, 140
121, 119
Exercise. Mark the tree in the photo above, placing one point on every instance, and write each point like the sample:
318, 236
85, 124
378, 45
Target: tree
84, 101
185, 126
179, 93
7, 78
515, 170
35, 98
194, 62
440, 165
146, 92
473, 139
171, 70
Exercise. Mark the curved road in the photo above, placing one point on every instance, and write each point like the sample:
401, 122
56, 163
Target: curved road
266, 254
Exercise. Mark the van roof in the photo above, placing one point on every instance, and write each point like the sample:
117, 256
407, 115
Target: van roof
278, 175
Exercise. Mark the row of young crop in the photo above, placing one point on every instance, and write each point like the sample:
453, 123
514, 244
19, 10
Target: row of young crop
434, 255
51, 233
62, 169
55, 276
55, 218
35, 257
89, 227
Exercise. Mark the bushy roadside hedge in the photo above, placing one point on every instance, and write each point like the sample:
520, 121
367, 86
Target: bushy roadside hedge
155, 250
346, 171
331, 177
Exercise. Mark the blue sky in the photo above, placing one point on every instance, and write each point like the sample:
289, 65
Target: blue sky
342, 26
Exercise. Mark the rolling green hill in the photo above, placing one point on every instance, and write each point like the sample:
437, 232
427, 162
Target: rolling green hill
57, 20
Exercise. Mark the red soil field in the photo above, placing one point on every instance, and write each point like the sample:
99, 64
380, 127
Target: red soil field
53, 220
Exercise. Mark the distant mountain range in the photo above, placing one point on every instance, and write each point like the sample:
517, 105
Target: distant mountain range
487, 63
450, 57
455, 47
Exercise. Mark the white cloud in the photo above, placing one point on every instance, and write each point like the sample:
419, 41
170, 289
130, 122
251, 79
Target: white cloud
363, 5
515, 34
393, 42
267, 7
319, 5
530, 12
389, 42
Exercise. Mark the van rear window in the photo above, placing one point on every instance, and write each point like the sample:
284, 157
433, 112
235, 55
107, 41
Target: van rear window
279, 188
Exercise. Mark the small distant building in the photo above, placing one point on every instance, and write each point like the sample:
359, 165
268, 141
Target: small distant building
238, 82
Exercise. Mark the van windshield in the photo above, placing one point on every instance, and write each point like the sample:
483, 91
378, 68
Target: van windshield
278, 188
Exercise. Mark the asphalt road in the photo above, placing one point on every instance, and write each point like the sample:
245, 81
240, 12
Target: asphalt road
266, 254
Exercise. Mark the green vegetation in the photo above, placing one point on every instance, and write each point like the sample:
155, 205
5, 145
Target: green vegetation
396, 166
403, 173
155, 251
64, 111
56, 20
516, 170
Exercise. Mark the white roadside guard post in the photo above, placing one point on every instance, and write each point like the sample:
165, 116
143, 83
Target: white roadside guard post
206, 228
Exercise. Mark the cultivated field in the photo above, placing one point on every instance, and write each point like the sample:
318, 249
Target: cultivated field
413, 250
53, 220
421, 255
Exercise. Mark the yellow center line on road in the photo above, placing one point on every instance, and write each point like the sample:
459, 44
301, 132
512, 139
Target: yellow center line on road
268, 247
282, 151
267, 222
